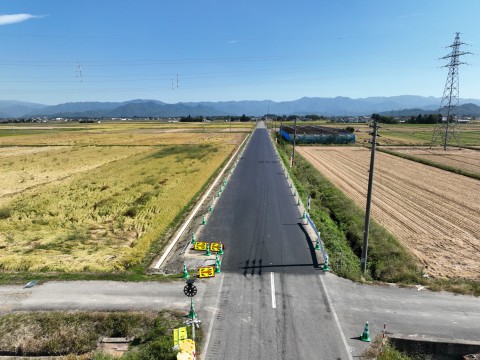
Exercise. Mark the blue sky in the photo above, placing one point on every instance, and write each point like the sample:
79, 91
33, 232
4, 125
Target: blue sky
55, 51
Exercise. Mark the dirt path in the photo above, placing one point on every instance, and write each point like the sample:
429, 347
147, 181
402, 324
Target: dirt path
433, 212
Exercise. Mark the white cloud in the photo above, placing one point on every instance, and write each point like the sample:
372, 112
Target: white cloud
16, 18
408, 16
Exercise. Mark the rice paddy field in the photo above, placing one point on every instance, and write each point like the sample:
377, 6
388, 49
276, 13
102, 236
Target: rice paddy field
77, 198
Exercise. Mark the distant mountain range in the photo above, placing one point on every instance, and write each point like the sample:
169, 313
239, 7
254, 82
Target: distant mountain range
338, 106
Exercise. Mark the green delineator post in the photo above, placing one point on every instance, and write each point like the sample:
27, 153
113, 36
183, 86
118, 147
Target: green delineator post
192, 314
208, 253
294, 192
365, 335
317, 244
210, 208
193, 238
217, 260
204, 221
298, 201
185, 272
325, 264
221, 249
217, 268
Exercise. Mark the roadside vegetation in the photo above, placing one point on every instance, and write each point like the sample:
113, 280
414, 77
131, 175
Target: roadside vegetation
387, 352
76, 334
341, 224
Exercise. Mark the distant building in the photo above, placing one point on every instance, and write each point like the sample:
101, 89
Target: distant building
317, 135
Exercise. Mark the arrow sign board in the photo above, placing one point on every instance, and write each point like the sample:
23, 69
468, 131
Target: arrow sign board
206, 271
179, 335
215, 247
199, 245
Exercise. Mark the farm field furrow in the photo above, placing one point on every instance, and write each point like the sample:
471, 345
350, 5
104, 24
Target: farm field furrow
434, 213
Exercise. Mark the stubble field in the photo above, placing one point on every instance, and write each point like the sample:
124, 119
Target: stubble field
95, 200
463, 159
434, 213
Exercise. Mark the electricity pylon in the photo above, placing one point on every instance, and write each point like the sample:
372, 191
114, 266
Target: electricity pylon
446, 128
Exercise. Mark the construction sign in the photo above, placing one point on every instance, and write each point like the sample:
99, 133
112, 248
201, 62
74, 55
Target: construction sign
215, 247
206, 271
199, 245
179, 334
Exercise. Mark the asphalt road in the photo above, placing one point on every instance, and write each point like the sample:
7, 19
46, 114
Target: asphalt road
272, 304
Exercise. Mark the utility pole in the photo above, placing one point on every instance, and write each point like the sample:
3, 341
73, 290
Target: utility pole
294, 140
446, 128
369, 198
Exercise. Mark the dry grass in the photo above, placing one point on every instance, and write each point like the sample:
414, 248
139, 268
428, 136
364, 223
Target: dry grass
99, 208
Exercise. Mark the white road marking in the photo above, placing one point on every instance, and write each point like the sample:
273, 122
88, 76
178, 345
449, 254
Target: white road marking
210, 327
274, 302
334, 313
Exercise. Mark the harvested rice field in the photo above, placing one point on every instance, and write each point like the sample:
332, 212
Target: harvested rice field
463, 159
434, 213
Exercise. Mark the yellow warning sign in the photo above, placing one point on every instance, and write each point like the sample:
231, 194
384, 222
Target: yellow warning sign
199, 245
206, 271
179, 334
187, 346
215, 247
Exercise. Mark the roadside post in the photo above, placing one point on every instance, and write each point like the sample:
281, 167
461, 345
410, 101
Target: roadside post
190, 290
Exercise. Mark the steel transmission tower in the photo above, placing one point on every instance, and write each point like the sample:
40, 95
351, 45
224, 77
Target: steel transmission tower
446, 129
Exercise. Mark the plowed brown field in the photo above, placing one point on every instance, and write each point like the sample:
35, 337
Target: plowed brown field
464, 159
434, 213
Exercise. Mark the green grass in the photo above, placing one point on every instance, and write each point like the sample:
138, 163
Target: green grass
77, 333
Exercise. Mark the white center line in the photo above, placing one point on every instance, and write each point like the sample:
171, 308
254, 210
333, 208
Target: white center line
274, 302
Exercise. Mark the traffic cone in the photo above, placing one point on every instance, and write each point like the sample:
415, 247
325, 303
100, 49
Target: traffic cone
317, 244
366, 335
298, 201
185, 272
221, 249
208, 253
193, 238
